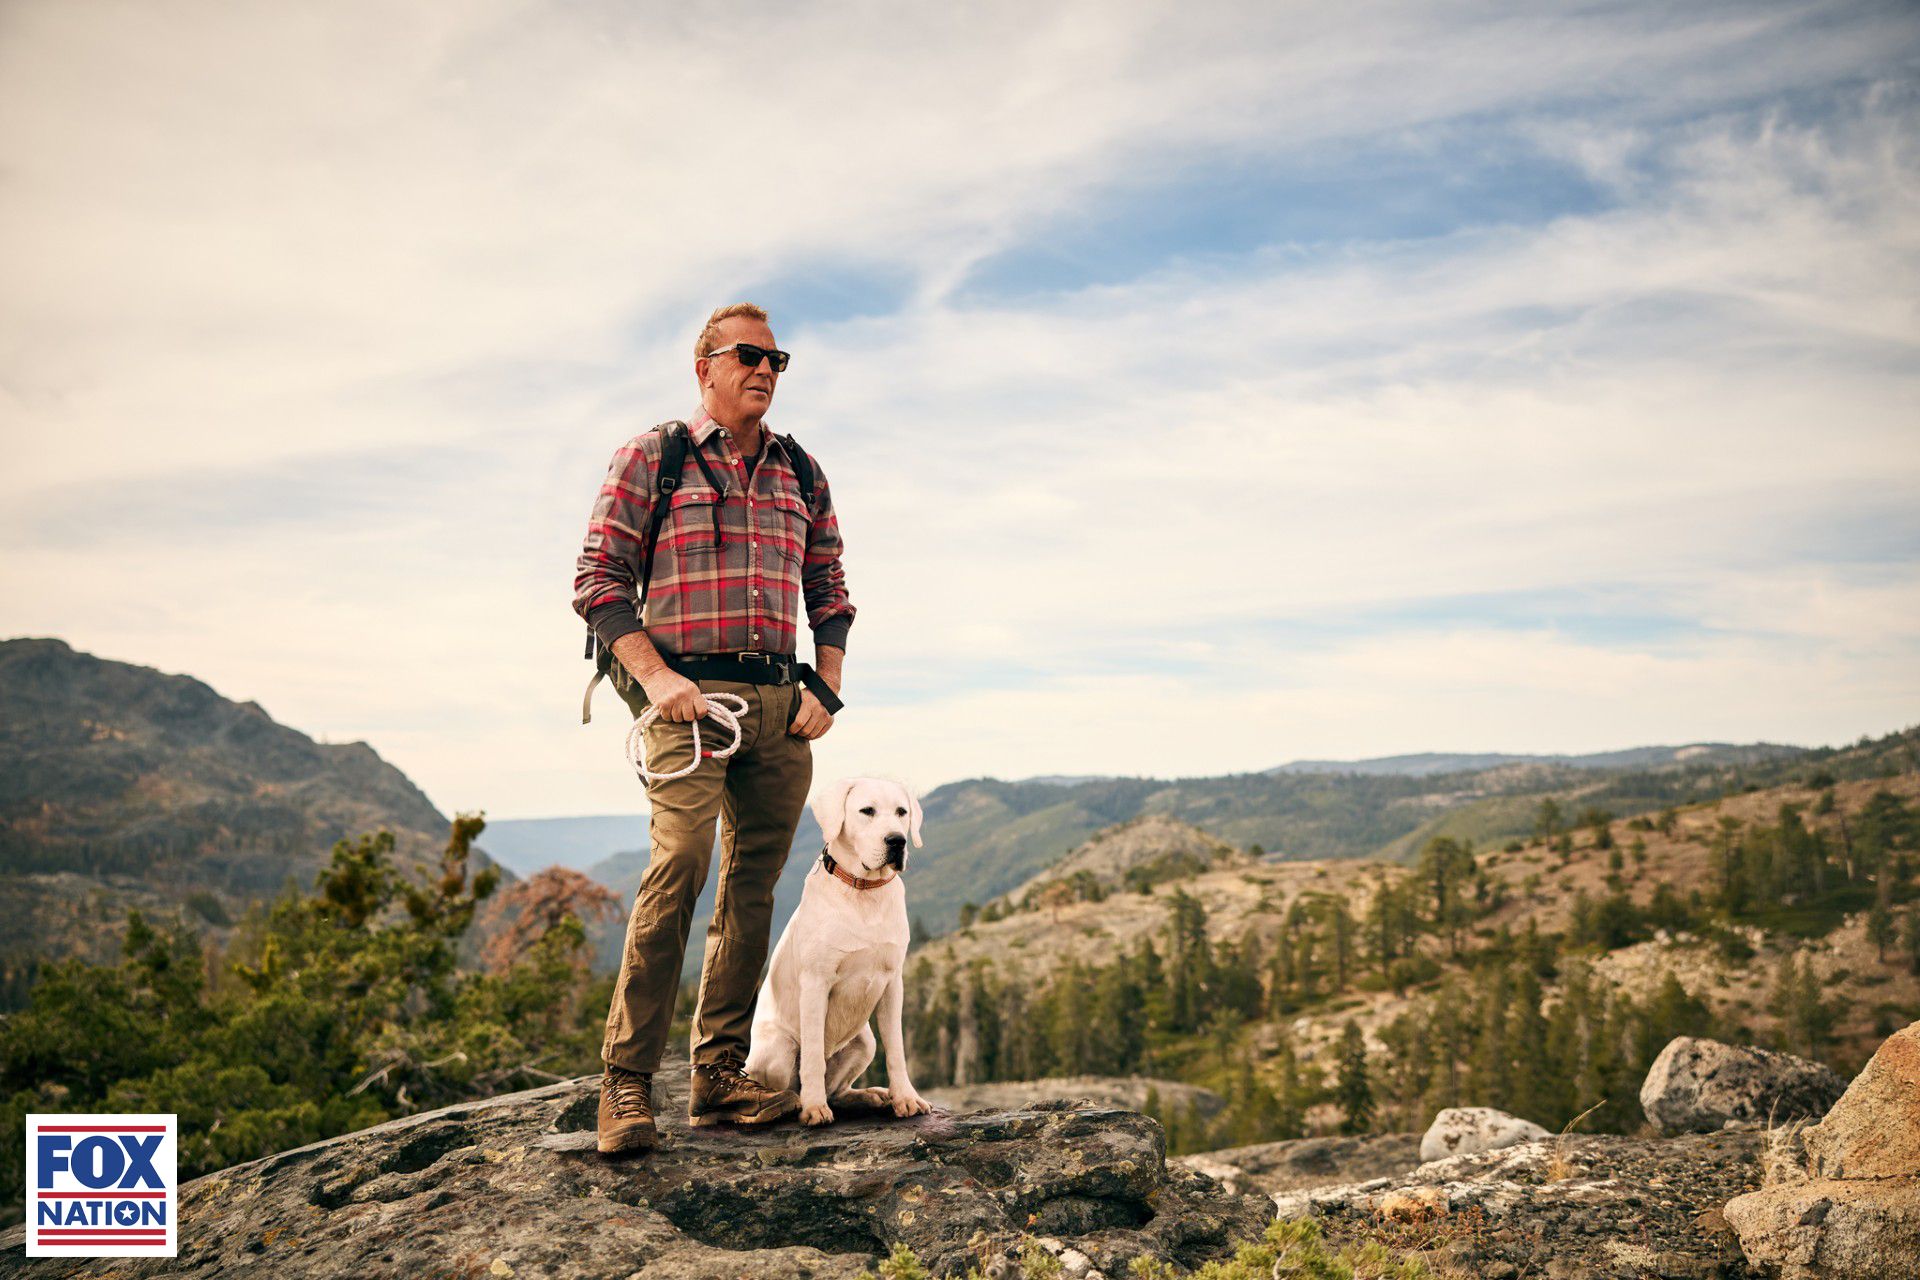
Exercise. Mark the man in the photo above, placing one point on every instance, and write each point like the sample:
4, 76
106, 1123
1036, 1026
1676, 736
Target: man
738, 550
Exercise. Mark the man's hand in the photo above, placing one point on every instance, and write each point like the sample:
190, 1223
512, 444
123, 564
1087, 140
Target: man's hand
812, 719
677, 697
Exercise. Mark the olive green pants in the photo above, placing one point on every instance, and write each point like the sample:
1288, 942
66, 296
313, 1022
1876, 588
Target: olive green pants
757, 793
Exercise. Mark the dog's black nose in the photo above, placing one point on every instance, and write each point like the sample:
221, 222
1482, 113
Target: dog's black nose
896, 842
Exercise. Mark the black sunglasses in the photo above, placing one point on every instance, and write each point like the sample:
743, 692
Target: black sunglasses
750, 355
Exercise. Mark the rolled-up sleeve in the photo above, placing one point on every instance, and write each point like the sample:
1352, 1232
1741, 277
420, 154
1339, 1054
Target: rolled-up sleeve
823, 578
606, 574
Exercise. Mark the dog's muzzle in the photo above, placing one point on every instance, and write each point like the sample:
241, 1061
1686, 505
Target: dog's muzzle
897, 852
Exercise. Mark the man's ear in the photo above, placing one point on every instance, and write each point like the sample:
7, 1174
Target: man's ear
913, 818
830, 808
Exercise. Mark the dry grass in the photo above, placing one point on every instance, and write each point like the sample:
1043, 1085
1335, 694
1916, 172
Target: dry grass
1559, 1166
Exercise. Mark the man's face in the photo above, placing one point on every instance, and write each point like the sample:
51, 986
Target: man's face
732, 391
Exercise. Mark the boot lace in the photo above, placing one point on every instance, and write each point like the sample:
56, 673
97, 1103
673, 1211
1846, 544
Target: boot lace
626, 1090
728, 1068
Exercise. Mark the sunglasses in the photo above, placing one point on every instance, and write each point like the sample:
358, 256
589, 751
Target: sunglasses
750, 355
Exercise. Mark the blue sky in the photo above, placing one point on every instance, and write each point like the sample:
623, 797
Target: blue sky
1202, 386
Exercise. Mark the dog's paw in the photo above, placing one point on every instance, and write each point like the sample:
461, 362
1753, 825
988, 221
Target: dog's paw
816, 1113
909, 1104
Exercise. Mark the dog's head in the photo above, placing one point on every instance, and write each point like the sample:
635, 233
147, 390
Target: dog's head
867, 823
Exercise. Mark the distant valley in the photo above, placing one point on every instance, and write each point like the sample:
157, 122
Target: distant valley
126, 786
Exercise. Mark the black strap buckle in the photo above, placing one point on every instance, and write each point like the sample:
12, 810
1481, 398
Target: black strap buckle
776, 664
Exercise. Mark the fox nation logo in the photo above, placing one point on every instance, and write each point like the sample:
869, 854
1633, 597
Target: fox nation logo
102, 1186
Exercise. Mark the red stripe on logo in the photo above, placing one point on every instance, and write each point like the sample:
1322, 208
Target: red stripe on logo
121, 1238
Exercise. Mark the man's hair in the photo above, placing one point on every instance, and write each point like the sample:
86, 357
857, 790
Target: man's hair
709, 336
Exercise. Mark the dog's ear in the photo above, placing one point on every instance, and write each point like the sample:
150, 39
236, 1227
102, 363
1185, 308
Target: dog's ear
830, 808
913, 818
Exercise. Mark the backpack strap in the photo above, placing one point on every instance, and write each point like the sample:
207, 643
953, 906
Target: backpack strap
674, 442
802, 469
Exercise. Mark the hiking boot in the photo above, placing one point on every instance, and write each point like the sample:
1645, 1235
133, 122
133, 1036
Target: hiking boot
626, 1111
723, 1093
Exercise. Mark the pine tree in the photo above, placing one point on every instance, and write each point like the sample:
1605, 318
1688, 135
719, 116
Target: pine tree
1446, 869
1490, 1077
1671, 1013
1548, 820
1806, 1016
1354, 1093
1382, 927
1881, 927
1448, 1032
1188, 961
1342, 927
1526, 1049
1728, 851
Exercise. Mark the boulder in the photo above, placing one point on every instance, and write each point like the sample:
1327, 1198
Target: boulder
1874, 1130
1129, 1093
1697, 1085
1831, 1228
1842, 1198
1462, 1131
1595, 1207
1294, 1163
512, 1186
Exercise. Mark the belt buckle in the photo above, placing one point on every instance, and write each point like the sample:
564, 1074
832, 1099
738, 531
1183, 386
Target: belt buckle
771, 661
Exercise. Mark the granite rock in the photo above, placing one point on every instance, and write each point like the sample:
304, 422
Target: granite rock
1296, 1163
1462, 1131
1599, 1207
1831, 1229
1842, 1197
1874, 1130
512, 1186
1698, 1085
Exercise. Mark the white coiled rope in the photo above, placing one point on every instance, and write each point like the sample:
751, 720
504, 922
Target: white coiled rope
717, 709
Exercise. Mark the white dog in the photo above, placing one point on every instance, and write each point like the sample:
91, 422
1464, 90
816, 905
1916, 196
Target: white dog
840, 957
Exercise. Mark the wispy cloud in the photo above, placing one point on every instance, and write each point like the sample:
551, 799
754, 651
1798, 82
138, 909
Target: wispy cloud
1201, 385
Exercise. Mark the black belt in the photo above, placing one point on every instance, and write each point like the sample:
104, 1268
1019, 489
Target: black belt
754, 668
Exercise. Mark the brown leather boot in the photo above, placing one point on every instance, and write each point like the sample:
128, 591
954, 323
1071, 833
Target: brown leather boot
626, 1111
723, 1093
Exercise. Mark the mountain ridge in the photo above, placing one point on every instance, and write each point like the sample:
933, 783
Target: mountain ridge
125, 786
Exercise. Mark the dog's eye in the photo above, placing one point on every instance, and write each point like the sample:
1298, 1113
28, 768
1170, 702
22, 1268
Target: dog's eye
901, 812
868, 811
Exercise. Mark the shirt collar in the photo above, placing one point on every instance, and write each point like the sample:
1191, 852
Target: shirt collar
703, 426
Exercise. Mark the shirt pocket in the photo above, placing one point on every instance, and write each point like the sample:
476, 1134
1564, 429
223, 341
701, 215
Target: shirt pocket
783, 525
693, 523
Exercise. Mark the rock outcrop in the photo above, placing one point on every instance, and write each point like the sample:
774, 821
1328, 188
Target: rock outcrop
1574, 1208
1697, 1086
1127, 1092
1843, 1196
1299, 1163
512, 1186
1464, 1131
1874, 1130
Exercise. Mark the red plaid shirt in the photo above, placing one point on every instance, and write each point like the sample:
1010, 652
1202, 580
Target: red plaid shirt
730, 566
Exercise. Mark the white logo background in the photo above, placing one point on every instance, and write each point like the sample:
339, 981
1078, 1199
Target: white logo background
96, 1176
